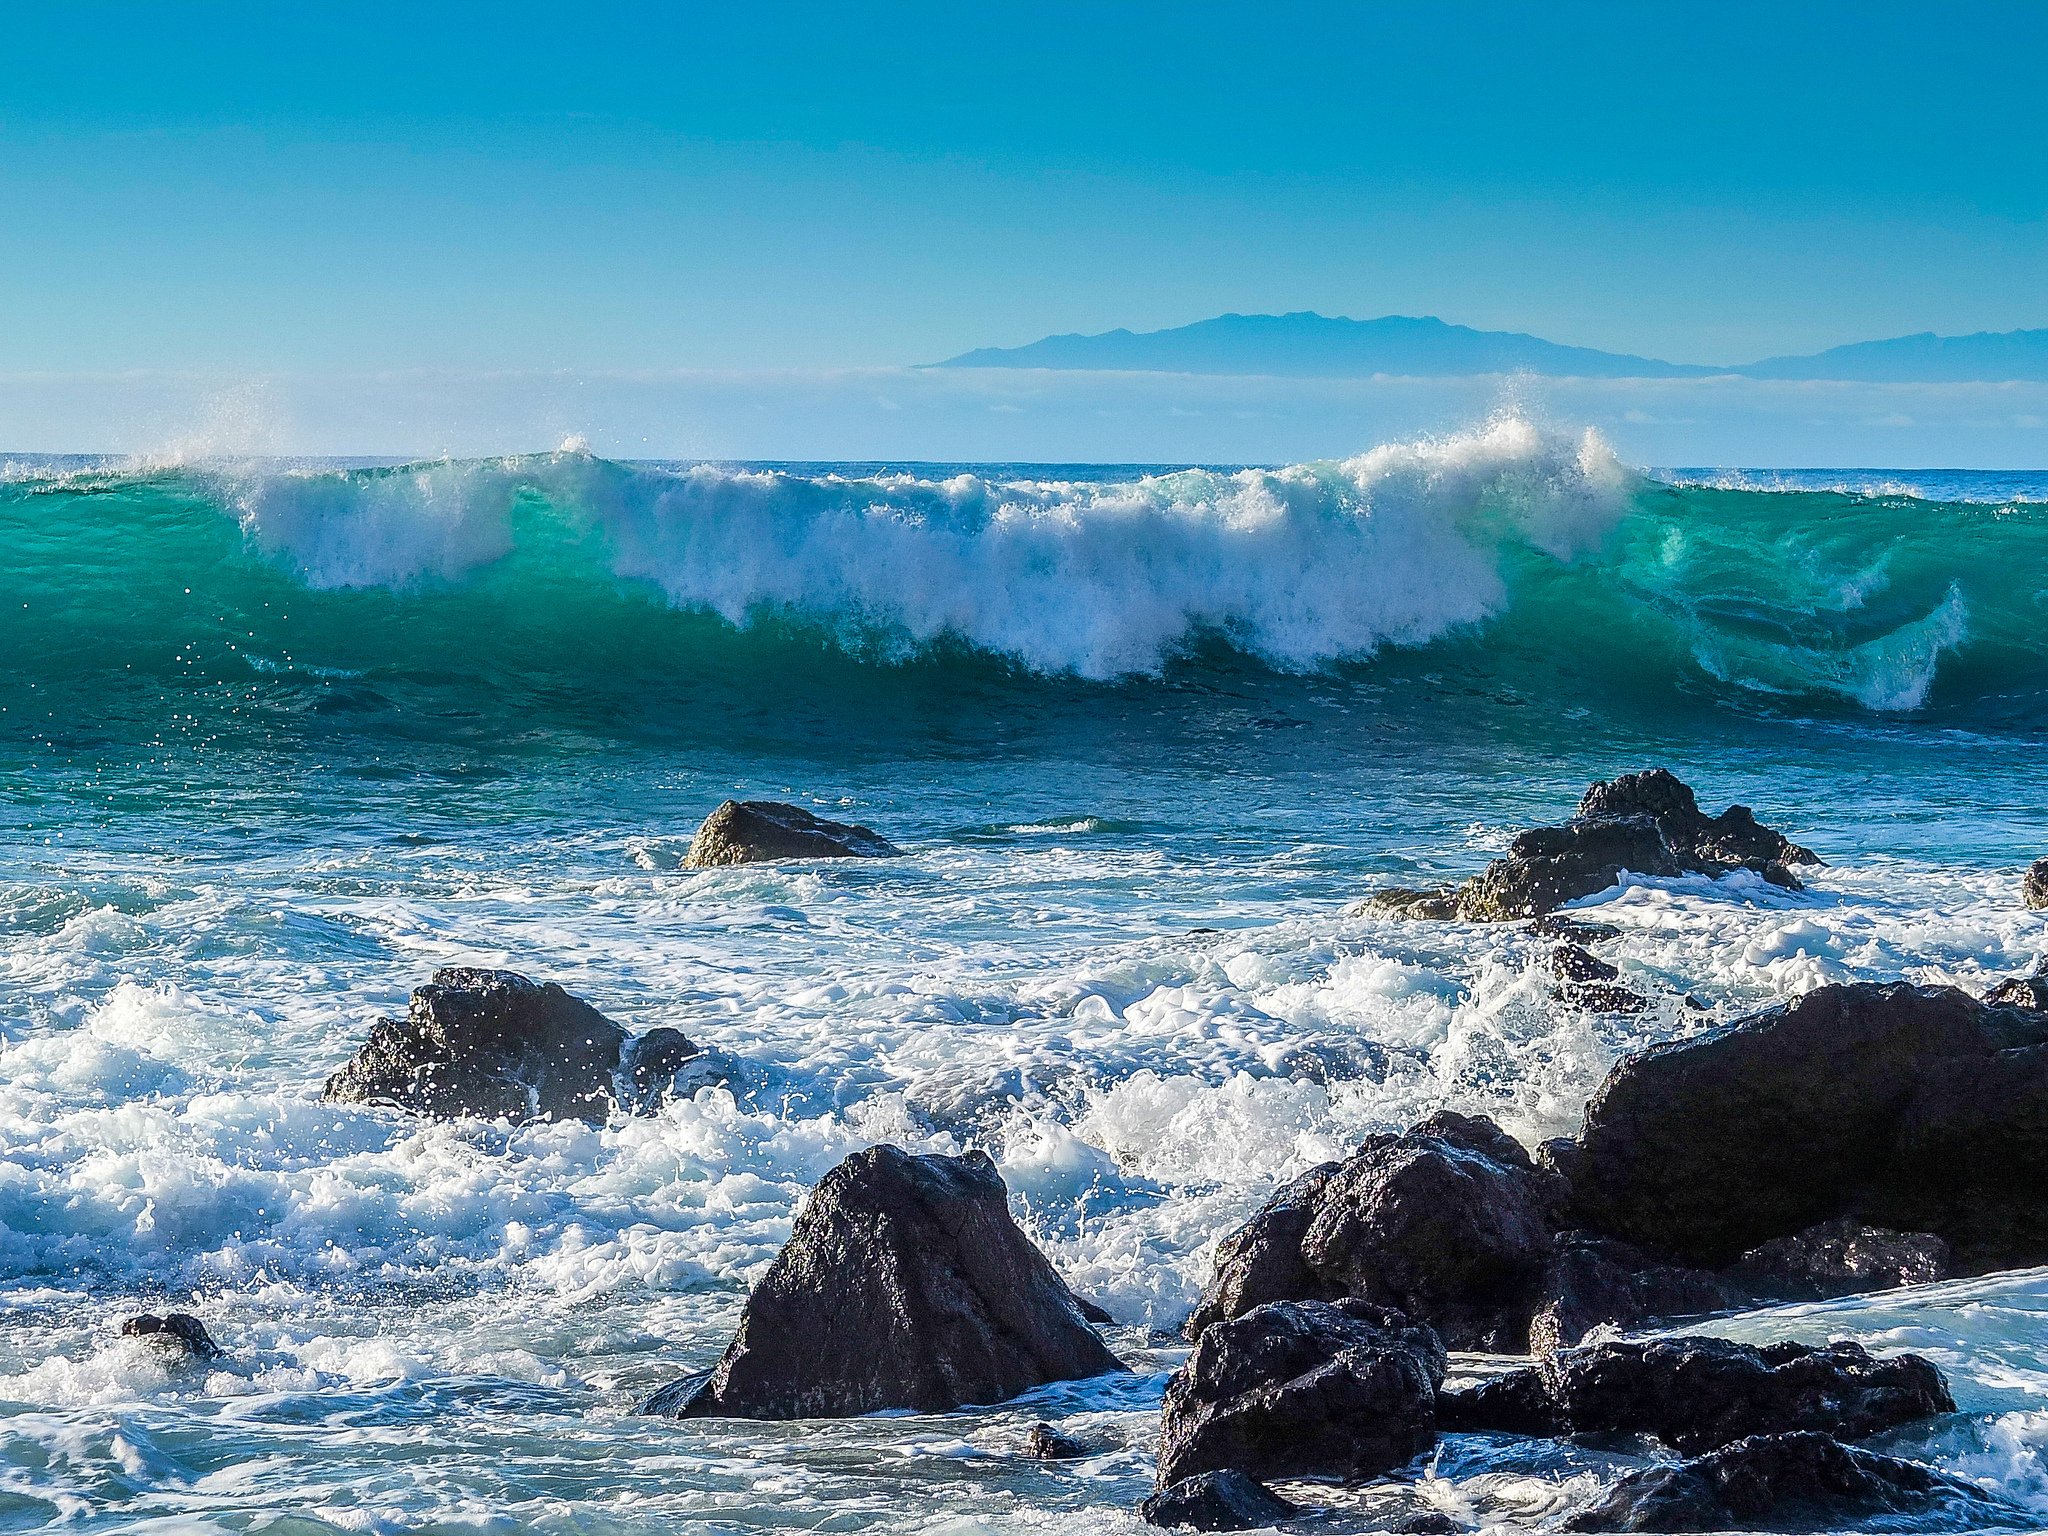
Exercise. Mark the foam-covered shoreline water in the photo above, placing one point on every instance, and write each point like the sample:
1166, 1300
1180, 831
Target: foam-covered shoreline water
1117, 957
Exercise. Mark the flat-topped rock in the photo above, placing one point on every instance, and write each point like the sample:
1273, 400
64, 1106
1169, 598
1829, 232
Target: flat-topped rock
1641, 823
755, 831
1803, 1481
501, 1046
1918, 1109
905, 1283
1698, 1393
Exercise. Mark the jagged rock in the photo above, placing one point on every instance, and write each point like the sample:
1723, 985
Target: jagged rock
177, 1335
1449, 1223
1045, 1443
1697, 1394
1644, 823
1794, 1482
751, 831
1594, 1281
2034, 886
1586, 981
1226, 1500
2021, 991
1916, 1108
1843, 1258
905, 1283
1303, 1389
497, 1045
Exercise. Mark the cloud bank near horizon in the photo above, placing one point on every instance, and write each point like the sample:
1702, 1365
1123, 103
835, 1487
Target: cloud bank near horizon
1006, 415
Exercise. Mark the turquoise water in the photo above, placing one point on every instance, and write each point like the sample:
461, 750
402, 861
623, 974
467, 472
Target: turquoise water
278, 740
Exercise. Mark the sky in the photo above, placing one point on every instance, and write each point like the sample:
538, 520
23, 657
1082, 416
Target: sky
321, 189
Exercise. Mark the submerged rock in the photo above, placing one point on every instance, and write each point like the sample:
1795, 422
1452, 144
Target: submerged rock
1303, 1389
1697, 1394
2034, 885
1045, 1443
1641, 823
1226, 1500
905, 1283
498, 1045
1915, 1108
178, 1335
1803, 1481
1584, 980
753, 831
1449, 1223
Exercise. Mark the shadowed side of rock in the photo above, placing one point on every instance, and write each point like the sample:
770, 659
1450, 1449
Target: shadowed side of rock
500, 1046
755, 831
904, 1284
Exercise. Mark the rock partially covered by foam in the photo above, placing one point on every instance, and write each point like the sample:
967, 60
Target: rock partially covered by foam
905, 1283
178, 1336
1449, 1223
1303, 1389
2022, 991
498, 1045
754, 831
1802, 1481
1217, 1501
1697, 1394
1641, 823
2034, 886
1918, 1109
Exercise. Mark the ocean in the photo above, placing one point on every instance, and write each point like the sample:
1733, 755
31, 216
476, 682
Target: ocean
280, 739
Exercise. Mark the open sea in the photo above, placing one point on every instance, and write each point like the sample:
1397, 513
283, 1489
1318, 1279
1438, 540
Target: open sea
277, 740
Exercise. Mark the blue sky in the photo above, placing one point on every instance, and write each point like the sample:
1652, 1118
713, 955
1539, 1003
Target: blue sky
615, 186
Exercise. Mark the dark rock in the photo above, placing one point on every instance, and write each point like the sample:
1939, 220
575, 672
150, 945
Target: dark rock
1586, 981
1917, 1108
1594, 1281
1217, 1501
1303, 1389
497, 1045
1794, 1482
669, 1401
751, 831
1843, 1258
2021, 991
1261, 1261
1572, 930
1697, 1394
1642, 823
2034, 886
1427, 1522
1045, 1443
1448, 1223
1092, 1313
178, 1334
904, 1284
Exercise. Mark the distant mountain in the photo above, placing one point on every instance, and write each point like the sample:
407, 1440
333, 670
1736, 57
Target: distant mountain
1988, 356
1320, 345
1312, 345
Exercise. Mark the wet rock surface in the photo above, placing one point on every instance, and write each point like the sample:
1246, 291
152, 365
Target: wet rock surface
1592, 1282
1803, 1481
2021, 991
1044, 1443
2034, 885
1225, 1500
1696, 1394
1843, 1258
1449, 1223
1641, 823
1914, 1108
905, 1283
755, 831
178, 1335
1303, 1389
498, 1045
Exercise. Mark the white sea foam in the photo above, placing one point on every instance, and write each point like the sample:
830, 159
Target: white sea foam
1298, 566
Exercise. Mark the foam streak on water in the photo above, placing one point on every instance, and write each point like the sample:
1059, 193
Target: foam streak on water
277, 742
